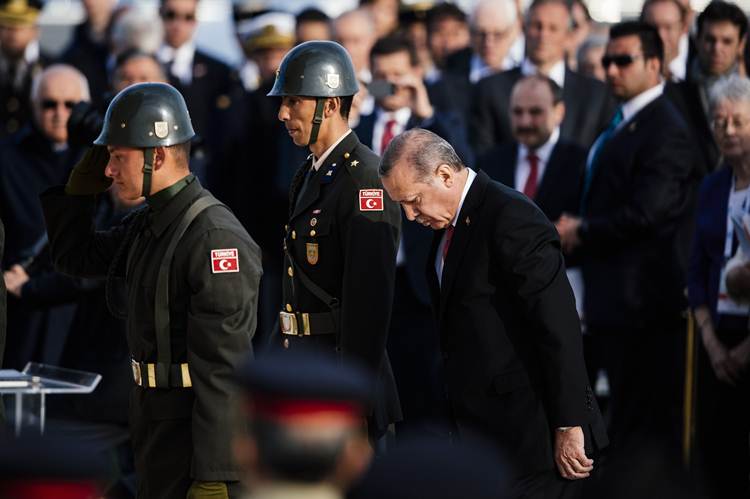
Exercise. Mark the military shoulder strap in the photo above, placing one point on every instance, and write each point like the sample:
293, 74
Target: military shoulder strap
161, 302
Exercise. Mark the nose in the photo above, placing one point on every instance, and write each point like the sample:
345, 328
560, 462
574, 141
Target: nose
411, 213
109, 170
283, 112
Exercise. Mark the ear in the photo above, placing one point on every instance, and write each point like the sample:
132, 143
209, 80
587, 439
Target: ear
559, 112
160, 154
741, 48
332, 106
446, 175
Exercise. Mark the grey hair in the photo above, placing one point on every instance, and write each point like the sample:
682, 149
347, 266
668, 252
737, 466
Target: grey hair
507, 7
733, 88
366, 19
591, 42
36, 83
137, 29
423, 151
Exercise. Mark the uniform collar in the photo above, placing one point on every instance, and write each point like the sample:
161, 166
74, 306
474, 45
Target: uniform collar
319, 161
167, 204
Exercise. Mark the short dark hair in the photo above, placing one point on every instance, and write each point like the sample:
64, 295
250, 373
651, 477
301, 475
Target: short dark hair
392, 44
444, 11
181, 152
648, 3
346, 106
424, 152
313, 15
651, 44
554, 88
720, 11
134, 53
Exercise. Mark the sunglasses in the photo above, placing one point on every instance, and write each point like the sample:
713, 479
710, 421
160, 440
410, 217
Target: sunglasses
52, 104
620, 61
170, 15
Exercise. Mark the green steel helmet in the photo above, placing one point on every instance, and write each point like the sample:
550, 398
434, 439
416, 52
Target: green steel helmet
316, 68
146, 115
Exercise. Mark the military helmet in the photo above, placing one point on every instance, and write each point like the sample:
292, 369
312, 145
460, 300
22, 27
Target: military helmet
146, 115
316, 68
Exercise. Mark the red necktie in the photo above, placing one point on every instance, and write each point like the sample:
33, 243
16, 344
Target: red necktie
448, 239
387, 135
531, 182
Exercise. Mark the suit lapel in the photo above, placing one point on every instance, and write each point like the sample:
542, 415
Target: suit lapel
466, 222
554, 164
432, 280
332, 162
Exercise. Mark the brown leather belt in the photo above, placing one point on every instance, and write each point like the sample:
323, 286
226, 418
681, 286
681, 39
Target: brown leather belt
144, 374
306, 324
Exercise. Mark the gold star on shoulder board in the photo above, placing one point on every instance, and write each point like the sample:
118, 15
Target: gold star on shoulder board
355, 163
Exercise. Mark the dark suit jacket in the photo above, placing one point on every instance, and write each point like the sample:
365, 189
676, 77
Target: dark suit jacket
637, 221
687, 99
588, 108
509, 330
2, 301
707, 253
560, 189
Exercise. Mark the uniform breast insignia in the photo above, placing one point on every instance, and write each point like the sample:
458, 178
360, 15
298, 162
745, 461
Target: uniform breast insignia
316, 212
312, 253
224, 261
313, 222
328, 176
371, 200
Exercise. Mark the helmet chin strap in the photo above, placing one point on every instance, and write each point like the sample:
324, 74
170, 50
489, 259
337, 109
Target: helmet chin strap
317, 119
149, 154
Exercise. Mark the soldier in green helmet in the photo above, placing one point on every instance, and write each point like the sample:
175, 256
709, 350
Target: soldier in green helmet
341, 239
191, 274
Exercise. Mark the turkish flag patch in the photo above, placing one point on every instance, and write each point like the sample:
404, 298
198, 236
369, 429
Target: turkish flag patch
225, 260
371, 200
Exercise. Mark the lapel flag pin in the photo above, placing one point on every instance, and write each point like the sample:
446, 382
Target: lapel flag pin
468, 221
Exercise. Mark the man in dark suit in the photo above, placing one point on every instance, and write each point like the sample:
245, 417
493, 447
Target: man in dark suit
671, 18
637, 197
412, 342
210, 87
538, 163
509, 331
587, 103
720, 42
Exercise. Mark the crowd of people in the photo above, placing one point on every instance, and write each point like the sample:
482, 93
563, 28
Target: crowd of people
632, 140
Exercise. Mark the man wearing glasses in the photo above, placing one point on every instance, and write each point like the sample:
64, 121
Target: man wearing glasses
32, 160
209, 86
632, 231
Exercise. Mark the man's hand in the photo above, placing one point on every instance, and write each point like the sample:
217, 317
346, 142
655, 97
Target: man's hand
88, 176
14, 279
570, 455
567, 226
726, 368
420, 101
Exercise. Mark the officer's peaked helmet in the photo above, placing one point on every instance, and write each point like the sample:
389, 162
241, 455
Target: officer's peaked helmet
316, 68
146, 115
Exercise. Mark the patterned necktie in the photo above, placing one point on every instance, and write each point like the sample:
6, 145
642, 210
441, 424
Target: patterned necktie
448, 238
531, 181
597, 148
387, 135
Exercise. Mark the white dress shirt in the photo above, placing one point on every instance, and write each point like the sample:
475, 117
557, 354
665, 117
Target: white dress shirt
319, 161
180, 61
556, 74
381, 119
543, 152
634, 105
678, 66
439, 261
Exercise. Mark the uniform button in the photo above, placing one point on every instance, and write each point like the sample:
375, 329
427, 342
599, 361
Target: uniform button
294, 234
286, 343
286, 227
288, 307
346, 155
290, 272
312, 233
313, 222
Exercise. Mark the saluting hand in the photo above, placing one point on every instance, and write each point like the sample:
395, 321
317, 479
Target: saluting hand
88, 175
570, 456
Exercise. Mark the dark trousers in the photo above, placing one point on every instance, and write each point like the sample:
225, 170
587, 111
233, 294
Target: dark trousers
723, 420
415, 359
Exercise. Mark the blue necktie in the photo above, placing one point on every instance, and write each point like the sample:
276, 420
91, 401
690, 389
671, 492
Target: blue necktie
598, 146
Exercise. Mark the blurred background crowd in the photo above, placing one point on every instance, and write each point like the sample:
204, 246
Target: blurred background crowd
460, 69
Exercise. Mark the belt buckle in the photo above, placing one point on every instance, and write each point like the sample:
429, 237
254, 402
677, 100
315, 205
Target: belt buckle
288, 323
136, 367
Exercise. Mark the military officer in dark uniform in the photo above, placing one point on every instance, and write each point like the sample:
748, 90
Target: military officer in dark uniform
20, 61
341, 240
190, 306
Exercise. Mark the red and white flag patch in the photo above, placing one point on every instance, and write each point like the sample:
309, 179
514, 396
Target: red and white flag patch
225, 260
371, 200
